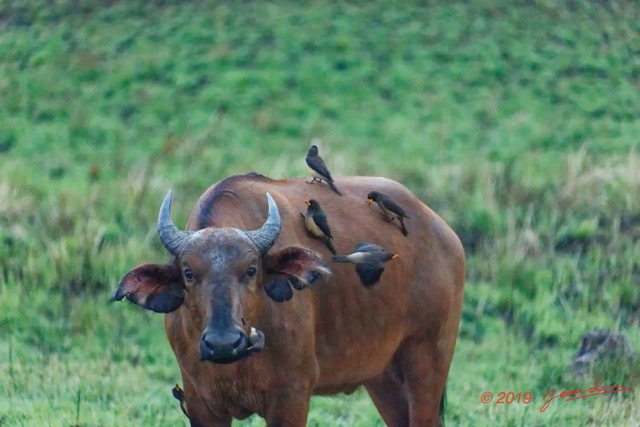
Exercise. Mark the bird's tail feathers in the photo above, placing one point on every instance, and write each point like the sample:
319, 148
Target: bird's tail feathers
330, 246
404, 229
333, 187
340, 258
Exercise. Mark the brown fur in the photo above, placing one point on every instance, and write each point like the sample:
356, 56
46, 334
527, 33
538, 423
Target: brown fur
396, 339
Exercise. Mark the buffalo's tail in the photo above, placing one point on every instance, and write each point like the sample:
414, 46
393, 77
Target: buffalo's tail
443, 403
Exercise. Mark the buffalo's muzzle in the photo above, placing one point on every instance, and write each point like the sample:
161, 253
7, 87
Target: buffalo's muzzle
230, 345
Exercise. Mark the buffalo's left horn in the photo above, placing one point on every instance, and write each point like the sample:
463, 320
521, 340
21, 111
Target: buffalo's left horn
171, 236
266, 236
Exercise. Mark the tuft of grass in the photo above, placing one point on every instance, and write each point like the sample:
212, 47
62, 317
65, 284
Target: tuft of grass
517, 123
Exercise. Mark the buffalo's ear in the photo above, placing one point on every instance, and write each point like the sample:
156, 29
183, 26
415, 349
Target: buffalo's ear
292, 266
152, 286
278, 288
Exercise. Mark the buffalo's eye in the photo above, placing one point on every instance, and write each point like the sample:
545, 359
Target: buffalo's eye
188, 274
251, 271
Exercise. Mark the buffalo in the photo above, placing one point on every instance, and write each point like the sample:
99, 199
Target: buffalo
260, 319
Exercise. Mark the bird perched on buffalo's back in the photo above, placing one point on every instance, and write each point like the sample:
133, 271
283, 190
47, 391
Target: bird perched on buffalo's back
318, 170
391, 209
369, 259
316, 223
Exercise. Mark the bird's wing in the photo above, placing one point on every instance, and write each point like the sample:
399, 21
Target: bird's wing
369, 273
317, 164
368, 247
394, 207
321, 221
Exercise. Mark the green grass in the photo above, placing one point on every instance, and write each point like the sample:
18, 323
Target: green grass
518, 123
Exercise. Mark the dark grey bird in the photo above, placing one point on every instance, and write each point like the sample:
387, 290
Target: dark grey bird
316, 223
178, 393
390, 208
318, 170
369, 259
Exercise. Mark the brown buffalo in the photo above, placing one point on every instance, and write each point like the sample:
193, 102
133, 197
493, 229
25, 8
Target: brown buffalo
246, 344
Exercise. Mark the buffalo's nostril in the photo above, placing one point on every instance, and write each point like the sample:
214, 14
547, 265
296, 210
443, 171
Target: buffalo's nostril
224, 344
238, 341
208, 341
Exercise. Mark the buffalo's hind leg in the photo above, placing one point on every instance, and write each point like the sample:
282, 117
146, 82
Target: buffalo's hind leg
424, 371
388, 394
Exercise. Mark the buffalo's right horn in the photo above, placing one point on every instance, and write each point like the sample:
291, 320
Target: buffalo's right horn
171, 236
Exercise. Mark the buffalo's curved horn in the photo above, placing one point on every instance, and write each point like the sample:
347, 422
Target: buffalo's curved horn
266, 236
171, 236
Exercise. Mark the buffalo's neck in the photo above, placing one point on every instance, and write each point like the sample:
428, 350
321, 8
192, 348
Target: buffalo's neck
226, 389
237, 396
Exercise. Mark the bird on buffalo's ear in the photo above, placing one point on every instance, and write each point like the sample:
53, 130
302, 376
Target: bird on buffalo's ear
369, 259
316, 223
318, 170
390, 208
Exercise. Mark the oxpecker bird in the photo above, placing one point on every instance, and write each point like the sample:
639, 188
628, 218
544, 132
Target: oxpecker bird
178, 393
315, 221
390, 208
369, 259
318, 170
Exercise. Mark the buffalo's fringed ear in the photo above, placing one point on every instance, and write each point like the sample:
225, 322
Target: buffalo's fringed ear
292, 266
152, 286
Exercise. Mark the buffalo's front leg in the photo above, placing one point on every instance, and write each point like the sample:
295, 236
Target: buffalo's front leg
199, 413
288, 409
199, 416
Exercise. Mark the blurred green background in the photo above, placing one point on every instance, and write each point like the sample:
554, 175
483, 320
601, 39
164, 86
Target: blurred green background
516, 121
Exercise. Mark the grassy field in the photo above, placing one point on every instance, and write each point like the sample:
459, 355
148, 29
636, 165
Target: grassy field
517, 122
